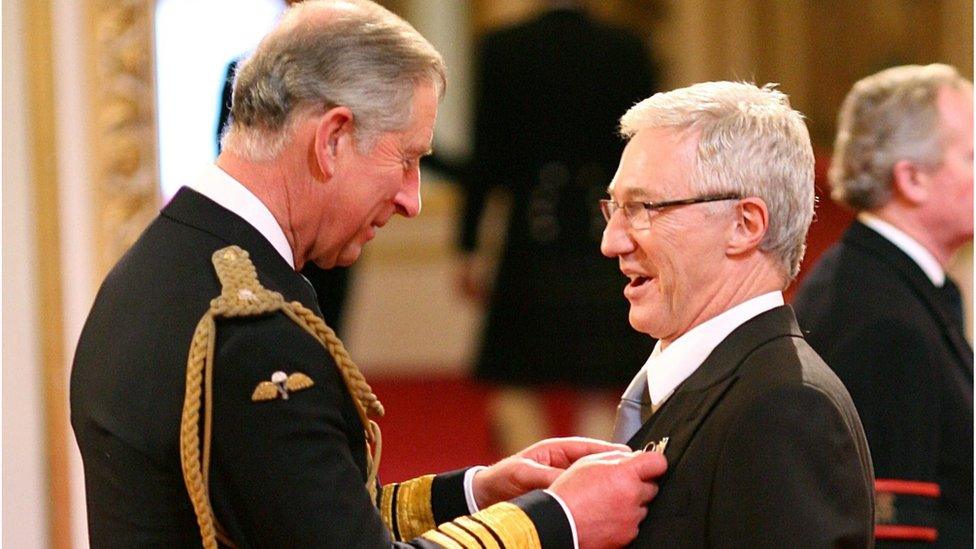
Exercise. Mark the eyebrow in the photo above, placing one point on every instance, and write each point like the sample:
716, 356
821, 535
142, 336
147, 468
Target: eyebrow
631, 193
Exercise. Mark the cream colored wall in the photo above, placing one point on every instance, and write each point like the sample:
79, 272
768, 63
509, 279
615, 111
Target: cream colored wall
446, 23
75, 185
44, 125
25, 509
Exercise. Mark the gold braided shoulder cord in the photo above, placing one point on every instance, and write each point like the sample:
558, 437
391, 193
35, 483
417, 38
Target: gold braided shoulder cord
243, 296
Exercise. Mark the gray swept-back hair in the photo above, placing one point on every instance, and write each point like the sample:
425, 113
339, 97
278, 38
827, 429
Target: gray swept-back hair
323, 54
751, 143
889, 116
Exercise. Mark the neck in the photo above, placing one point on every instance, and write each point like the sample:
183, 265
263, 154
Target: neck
907, 221
269, 182
754, 276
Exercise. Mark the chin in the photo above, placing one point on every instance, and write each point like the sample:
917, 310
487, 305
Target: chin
653, 319
641, 323
348, 256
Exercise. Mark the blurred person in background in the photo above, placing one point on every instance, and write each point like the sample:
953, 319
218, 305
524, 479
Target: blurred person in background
879, 307
549, 91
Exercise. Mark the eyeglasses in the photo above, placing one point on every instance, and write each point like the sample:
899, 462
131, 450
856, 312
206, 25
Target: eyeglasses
639, 213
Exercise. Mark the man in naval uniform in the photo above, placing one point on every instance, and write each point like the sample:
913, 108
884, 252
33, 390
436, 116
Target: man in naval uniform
707, 218
210, 402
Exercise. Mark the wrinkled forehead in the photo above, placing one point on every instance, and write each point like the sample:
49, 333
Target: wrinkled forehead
656, 164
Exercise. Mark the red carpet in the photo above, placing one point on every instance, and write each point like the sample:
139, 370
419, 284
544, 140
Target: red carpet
437, 424
431, 425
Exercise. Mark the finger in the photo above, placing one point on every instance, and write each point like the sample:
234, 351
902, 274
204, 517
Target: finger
564, 452
647, 492
648, 465
641, 514
612, 457
535, 475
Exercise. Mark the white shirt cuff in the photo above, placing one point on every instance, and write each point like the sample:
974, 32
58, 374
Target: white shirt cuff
569, 516
473, 506
469, 488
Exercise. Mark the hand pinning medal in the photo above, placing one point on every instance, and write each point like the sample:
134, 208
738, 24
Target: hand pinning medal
280, 385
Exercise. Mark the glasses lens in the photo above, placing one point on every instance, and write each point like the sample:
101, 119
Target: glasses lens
638, 215
607, 207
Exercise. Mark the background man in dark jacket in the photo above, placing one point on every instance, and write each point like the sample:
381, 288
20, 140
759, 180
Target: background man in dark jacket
879, 308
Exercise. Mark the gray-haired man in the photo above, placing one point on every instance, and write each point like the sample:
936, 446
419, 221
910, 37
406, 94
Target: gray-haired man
707, 216
261, 434
879, 306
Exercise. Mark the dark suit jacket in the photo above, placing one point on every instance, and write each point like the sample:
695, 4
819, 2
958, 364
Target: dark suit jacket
283, 473
878, 321
765, 449
550, 93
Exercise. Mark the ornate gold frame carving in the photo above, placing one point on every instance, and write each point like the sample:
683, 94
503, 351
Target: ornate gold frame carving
120, 92
125, 168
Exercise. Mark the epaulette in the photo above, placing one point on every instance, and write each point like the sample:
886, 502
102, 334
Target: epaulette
242, 295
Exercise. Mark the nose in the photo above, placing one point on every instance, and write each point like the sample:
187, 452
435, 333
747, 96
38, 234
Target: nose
408, 200
616, 239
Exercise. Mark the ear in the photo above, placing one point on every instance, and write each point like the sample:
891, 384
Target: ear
750, 224
909, 182
333, 133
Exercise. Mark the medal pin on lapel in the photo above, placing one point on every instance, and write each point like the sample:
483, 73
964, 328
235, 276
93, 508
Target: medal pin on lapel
657, 446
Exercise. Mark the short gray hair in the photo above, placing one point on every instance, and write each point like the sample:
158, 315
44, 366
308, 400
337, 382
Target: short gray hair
323, 54
887, 117
752, 143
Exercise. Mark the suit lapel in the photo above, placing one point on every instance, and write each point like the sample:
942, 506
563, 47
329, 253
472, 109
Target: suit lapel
680, 417
678, 420
879, 247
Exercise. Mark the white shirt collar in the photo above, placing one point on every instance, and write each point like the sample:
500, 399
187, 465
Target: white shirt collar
667, 368
223, 189
921, 256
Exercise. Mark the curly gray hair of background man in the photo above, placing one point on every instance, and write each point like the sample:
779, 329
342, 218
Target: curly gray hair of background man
888, 116
365, 58
752, 143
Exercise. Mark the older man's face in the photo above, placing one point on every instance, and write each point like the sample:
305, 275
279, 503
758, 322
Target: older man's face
375, 186
952, 200
675, 265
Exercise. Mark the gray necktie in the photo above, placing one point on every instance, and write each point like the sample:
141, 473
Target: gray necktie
952, 299
633, 410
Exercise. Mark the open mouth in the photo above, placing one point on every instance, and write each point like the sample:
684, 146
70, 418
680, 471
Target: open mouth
638, 281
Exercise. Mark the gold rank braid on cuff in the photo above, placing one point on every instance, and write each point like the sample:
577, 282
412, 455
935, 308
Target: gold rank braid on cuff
243, 296
497, 527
